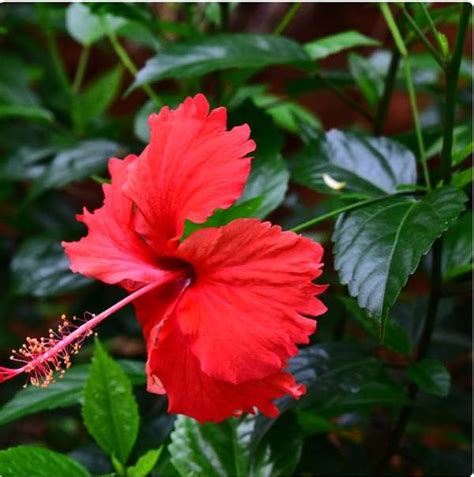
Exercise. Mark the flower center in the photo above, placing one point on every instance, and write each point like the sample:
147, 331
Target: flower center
42, 358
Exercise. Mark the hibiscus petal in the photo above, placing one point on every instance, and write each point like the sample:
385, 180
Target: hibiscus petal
243, 314
191, 167
112, 251
173, 367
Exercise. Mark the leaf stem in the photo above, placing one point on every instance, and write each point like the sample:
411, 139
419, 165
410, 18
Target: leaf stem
416, 120
338, 211
411, 89
434, 52
384, 102
128, 63
81, 69
286, 20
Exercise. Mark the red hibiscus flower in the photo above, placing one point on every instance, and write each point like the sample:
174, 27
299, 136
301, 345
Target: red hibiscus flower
223, 310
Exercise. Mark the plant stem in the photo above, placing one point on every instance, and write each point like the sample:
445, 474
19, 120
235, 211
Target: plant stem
81, 69
452, 75
338, 211
128, 63
434, 52
286, 20
346, 98
431, 24
383, 105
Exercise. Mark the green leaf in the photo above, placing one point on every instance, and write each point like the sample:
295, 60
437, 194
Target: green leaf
40, 268
38, 462
145, 464
224, 216
395, 337
66, 392
379, 246
462, 144
431, 376
76, 163
457, 248
110, 411
32, 113
214, 53
367, 165
86, 27
97, 97
329, 45
367, 78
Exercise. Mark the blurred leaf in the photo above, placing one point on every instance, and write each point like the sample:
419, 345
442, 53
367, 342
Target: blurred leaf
367, 78
110, 411
40, 268
38, 462
395, 337
96, 99
145, 464
269, 174
462, 179
79, 162
32, 113
457, 248
366, 164
86, 27
329, 45
26, 163
287, 115
431, 376
379, 246
66, 392
462, 144
214, 53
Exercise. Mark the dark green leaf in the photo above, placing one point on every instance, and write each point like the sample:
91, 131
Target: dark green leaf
431, 376
379, 246
40, 268
145, 464
329, 45
367, 78
365, 164
66, 392
197, 58
110, 411
79, 162
26, 163
33, 461
457, 248
395, 337
97, 97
